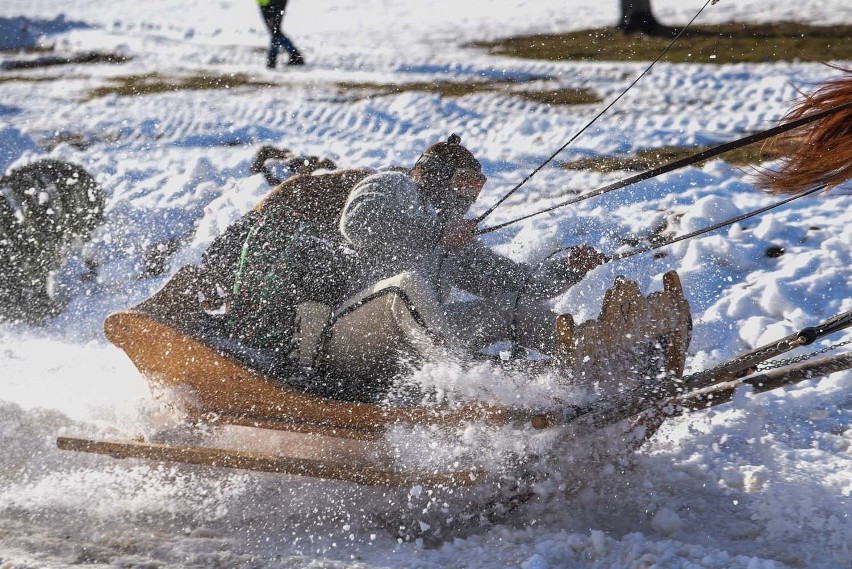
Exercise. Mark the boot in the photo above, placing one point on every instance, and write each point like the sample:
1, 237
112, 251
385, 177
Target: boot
271, 57
296, 59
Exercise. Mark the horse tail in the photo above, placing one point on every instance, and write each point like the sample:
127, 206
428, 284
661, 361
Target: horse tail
821, 153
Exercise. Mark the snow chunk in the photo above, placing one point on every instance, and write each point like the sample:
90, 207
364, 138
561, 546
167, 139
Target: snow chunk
666, 521
535, 562
707, 211
599, 542
769, 227
759, 330
14, 144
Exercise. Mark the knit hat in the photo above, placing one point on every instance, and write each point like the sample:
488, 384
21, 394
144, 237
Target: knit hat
436, 166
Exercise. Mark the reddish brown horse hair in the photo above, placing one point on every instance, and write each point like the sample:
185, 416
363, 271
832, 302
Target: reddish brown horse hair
821, 153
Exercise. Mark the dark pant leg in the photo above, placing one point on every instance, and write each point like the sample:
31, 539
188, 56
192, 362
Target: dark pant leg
478, 323
273, 15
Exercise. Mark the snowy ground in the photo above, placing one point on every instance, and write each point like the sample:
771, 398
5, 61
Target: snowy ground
763, 482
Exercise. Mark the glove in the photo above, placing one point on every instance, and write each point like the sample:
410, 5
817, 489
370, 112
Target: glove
458, 234
556, 276
582, 259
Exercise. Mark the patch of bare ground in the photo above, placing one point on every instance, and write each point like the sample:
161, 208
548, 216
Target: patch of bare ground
28, 79
724, 43
750, 155
448, 89
53, 60
154, 83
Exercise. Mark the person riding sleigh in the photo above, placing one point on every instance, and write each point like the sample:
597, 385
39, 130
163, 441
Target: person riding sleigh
358, 305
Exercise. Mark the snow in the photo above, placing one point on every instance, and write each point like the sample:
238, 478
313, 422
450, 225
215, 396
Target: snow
763, 482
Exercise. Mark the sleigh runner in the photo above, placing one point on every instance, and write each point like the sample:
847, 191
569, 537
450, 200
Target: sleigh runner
634, 351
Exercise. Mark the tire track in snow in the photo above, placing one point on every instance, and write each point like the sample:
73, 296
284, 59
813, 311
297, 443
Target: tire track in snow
500, 126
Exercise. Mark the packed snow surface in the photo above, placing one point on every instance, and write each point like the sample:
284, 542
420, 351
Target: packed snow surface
763, 482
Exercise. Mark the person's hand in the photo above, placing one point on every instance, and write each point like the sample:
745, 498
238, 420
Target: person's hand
582, 259
458, 234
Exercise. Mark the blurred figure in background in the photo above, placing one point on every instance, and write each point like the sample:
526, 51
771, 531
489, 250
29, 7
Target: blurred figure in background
273, 15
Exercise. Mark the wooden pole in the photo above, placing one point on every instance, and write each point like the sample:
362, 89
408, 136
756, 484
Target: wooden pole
245, 460
770, 380
632, 403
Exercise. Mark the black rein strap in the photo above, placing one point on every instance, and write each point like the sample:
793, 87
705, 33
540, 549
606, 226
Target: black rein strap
677, 164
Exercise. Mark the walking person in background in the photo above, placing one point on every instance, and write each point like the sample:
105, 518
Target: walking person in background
273, 14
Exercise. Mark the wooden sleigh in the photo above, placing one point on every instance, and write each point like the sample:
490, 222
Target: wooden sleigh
633, 354
173, 343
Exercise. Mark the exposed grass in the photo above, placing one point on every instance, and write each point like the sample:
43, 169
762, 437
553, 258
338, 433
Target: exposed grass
461, 88
31, 49
726, 43
368, 90
54, 60
78, 140
26, 79
149, 84
560, 96
752, 154
153, 83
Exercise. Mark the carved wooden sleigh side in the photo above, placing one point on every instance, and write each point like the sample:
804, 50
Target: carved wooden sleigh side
635, 338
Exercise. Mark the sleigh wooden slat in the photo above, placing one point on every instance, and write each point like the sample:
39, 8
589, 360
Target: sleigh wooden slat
636, 338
